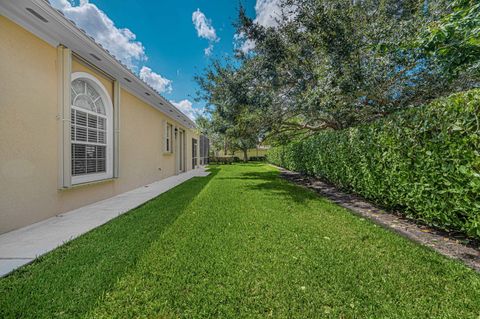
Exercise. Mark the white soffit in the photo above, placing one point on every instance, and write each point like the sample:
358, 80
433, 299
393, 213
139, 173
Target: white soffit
49, 24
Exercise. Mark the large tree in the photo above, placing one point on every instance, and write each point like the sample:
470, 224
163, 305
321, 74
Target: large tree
331, 64
232, 113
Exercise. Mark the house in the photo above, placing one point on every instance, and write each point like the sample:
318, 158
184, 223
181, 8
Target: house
76, 126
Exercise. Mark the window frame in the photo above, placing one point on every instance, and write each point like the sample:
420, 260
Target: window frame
195, 152
102, 91
168, 138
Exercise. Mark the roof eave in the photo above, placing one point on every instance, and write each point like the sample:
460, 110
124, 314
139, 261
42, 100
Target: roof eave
60, 30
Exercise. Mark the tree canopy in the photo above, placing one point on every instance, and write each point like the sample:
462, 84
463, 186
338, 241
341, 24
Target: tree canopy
332, 64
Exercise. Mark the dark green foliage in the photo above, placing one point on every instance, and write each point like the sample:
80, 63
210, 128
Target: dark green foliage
334, 64
454, 41
425, 161
257, 158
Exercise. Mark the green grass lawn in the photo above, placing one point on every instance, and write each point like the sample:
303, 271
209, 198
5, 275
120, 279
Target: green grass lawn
241, 243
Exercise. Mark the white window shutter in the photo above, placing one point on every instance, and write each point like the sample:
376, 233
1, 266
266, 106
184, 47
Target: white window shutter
116, 127
64, 70
164, 136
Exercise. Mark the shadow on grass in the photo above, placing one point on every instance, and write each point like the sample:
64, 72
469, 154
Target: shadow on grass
74, 277
271, 183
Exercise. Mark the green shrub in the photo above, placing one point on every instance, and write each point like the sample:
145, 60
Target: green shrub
257, 158
424, 161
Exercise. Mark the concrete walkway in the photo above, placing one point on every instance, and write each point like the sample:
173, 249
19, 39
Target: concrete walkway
22, 246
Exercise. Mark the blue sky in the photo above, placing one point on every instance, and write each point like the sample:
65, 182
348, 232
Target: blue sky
166, 42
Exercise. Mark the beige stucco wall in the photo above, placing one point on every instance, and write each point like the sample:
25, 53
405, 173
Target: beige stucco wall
29, 136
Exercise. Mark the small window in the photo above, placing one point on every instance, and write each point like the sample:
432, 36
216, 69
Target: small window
168, 138
194, 152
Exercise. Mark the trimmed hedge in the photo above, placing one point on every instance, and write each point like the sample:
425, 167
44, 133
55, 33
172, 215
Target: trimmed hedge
423, 161
257, 158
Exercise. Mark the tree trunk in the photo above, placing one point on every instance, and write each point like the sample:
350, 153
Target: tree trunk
245, 155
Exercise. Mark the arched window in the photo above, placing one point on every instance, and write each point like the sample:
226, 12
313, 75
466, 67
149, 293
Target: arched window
91, 129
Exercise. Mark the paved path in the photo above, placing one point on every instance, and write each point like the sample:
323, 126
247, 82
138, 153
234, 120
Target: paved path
22, 246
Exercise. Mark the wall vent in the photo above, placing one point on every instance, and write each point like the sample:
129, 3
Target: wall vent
95, 57
37, 15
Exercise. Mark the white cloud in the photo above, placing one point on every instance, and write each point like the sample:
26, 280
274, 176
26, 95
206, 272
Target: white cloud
120, 42
267, 12
204, 26
187, 108
155, 80
205, 30
242, 44
208, 51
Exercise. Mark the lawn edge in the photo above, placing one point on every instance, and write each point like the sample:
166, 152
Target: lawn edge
440, 242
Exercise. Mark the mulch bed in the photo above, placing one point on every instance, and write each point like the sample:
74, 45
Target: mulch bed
451, 245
